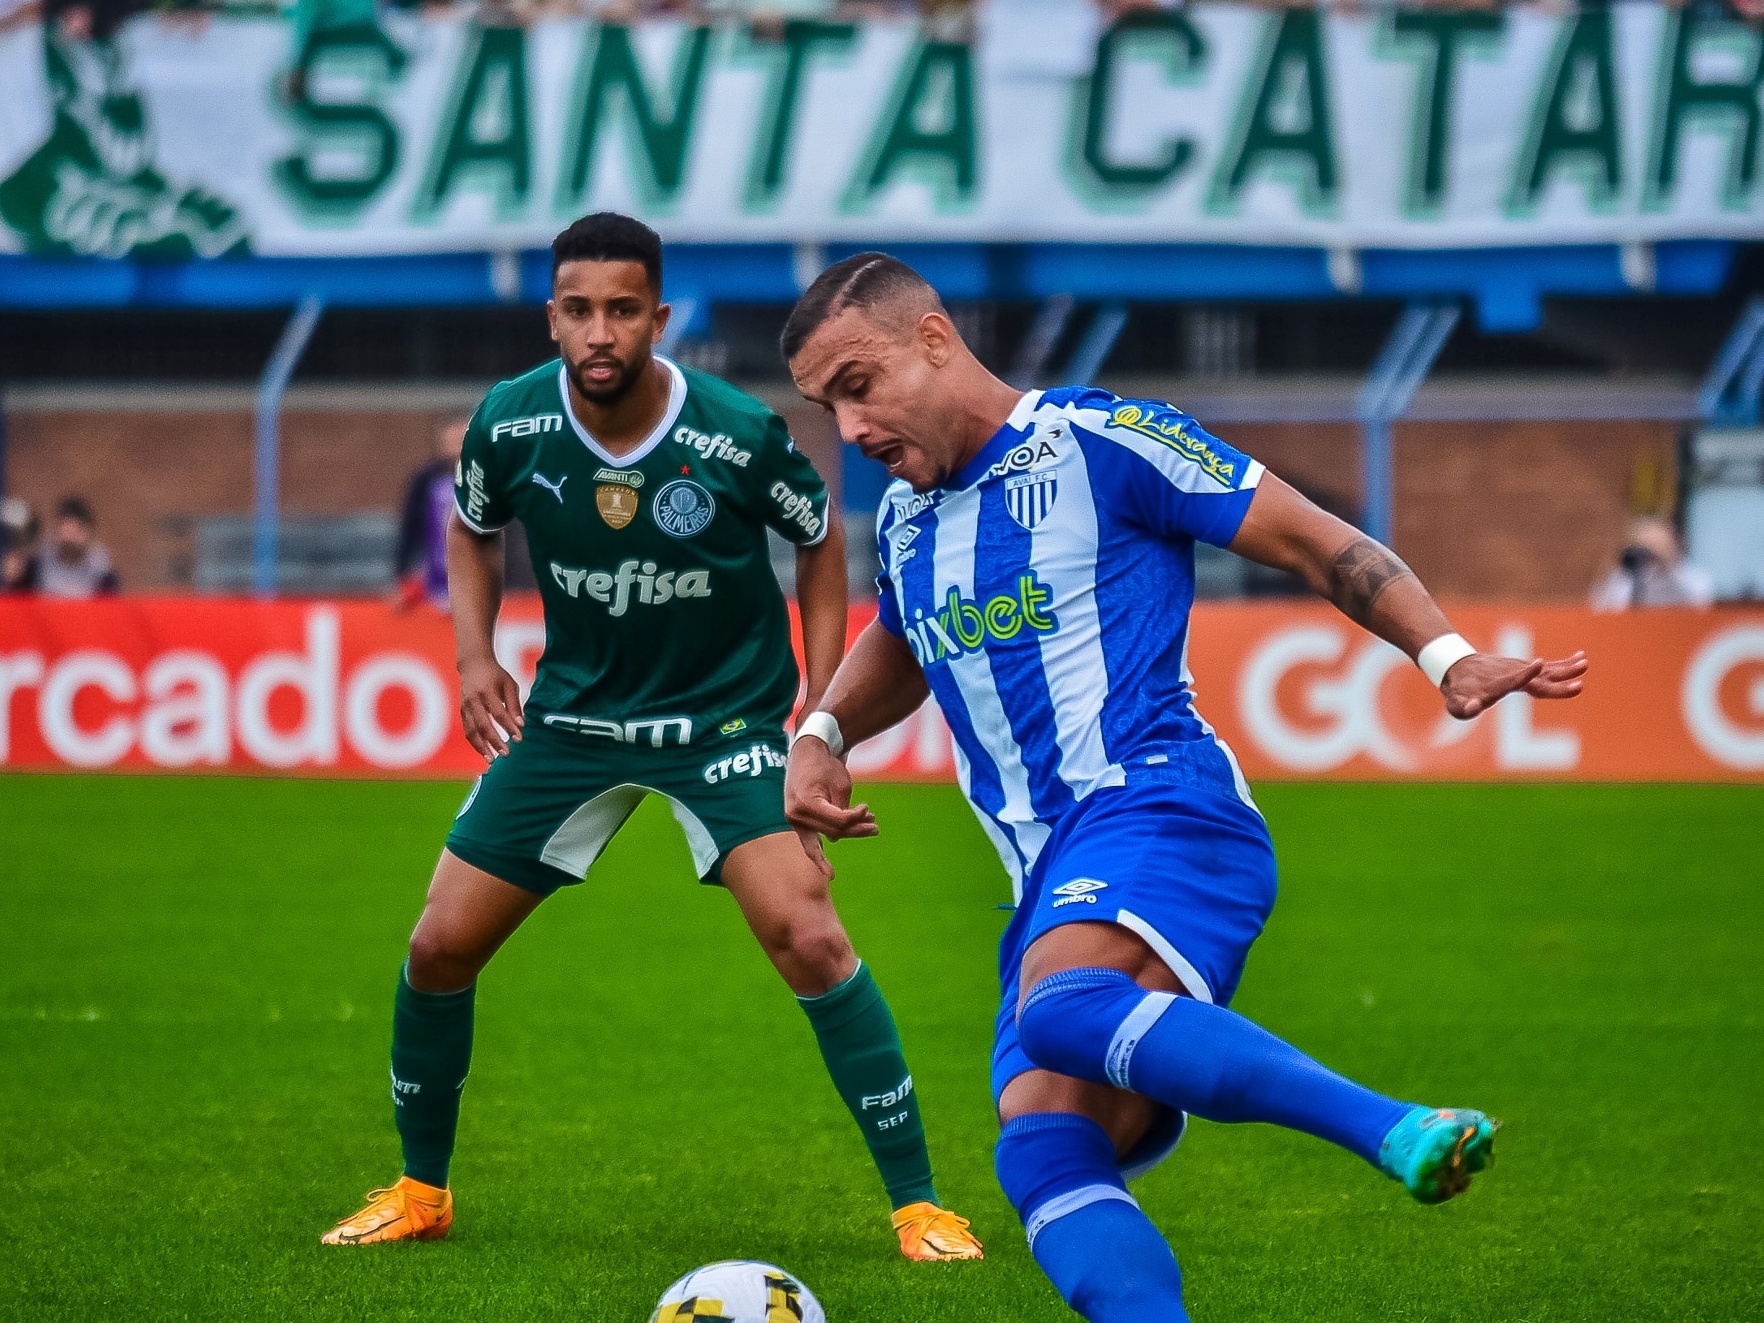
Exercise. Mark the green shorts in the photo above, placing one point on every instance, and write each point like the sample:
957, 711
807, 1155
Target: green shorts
540, 816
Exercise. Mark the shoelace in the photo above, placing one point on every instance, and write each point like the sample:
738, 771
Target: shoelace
377, 1197
926, 1223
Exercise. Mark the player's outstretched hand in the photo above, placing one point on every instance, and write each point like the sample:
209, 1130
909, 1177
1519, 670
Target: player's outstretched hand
817, 800
489, 707
1479, 681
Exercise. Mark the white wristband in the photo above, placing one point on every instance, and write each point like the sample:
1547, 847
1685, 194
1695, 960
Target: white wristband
824, 728
1441, 655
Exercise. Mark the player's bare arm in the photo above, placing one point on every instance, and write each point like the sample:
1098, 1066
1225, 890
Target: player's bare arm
1371, 586
489, 698
877, 686
821, 602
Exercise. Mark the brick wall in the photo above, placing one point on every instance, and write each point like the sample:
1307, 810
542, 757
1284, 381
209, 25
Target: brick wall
1503, 510
1534, 511
149, 463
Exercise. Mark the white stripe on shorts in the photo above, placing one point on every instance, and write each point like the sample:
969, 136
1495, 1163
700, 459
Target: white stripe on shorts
1190, 976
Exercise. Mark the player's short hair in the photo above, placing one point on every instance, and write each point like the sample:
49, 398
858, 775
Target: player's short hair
608, 236
865, 280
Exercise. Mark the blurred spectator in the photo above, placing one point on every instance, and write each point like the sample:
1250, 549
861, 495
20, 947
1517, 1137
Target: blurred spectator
421, 560
18, 13
72, 562
92, 20
18, 547
1652, 571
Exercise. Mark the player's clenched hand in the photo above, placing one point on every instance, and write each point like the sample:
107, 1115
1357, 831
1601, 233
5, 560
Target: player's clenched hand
817, 800
489, 707
1479, 681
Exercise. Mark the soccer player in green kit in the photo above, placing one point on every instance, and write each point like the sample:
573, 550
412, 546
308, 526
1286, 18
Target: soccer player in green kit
645, 490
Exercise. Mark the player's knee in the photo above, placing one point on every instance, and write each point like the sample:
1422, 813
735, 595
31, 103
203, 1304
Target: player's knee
437, 964
811, 954
1069, 1019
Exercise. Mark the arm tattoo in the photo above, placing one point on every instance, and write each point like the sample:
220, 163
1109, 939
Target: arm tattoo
1359, 576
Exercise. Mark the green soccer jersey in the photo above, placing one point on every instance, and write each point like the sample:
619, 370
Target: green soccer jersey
664, 623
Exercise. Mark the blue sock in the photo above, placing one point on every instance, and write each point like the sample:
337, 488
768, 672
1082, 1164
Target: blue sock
1098, 1024
1087, 1233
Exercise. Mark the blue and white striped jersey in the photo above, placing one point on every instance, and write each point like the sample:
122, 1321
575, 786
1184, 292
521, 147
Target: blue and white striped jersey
1046, 593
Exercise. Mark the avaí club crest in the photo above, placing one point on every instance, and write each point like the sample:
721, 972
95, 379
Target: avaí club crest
1030, 497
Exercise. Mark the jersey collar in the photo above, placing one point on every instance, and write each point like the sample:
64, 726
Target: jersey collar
1011, 434
676, 402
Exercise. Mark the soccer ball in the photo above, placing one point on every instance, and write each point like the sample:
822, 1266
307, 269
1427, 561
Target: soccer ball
738, 1291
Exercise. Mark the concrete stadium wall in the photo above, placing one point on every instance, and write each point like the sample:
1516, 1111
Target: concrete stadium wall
1486, 510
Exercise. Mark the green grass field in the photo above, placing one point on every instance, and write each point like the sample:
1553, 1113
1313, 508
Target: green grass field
195, 996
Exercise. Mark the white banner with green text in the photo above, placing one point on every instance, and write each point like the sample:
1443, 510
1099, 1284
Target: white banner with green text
1211, 124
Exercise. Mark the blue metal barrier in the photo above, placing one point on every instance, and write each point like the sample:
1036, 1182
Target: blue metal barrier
1730, 393
266, 507
1414, 343
1506, 285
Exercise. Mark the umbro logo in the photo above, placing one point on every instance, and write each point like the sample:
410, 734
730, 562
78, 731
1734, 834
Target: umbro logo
1079, 891
555, 488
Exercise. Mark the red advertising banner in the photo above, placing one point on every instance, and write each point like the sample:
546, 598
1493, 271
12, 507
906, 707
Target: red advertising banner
356, 689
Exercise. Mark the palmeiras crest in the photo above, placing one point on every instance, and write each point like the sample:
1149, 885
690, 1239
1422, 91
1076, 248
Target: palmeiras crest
683, 508
1030, 497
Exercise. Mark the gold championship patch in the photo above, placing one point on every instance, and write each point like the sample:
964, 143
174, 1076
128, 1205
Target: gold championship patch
1173, 432
617, 504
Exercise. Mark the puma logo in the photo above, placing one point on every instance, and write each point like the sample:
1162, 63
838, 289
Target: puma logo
555, 488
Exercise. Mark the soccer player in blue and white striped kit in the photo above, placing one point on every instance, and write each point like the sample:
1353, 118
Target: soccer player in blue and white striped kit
1038, 570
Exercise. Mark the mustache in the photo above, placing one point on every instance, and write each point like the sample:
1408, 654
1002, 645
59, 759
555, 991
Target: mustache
620, 367
626, 376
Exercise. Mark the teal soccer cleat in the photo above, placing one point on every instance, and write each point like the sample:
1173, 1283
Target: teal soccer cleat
1435, 1151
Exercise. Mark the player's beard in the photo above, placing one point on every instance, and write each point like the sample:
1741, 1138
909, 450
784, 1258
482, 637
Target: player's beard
612, 392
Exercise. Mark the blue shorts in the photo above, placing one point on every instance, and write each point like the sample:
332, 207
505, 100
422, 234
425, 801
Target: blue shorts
1190, 871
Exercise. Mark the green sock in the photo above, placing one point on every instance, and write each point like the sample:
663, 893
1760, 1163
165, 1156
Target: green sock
862, 1051
431, 1053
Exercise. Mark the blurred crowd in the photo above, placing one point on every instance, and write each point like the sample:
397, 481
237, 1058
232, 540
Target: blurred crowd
63, 560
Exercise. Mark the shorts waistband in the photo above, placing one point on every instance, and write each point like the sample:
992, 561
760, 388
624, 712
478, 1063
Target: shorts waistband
647, 734
1198, 764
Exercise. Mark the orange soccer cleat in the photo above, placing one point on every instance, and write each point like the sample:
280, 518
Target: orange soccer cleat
930, 1234
408, 1210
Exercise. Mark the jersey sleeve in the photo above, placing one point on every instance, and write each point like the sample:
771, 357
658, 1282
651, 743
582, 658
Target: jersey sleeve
887, 604
793, 499
1160, 470
478, 496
